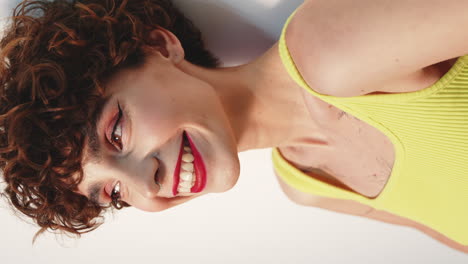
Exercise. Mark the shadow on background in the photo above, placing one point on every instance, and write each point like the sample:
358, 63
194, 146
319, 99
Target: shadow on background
238, 31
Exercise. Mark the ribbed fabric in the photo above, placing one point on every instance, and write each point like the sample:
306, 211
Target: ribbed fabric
429, 131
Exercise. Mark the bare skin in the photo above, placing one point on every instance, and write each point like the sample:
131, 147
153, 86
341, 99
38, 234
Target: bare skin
256, 105
409, 77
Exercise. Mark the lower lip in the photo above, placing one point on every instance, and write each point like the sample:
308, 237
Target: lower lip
200, 171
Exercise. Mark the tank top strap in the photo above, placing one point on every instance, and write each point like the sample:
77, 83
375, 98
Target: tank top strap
296, 179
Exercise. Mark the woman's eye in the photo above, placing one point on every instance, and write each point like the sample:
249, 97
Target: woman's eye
116, 135
115, 194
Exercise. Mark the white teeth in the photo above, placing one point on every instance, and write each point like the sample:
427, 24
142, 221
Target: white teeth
185, 184
187, 157
186, 166
183, 190
186, 176
187, 179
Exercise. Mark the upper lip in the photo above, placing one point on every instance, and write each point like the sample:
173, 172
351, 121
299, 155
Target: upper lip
178, 162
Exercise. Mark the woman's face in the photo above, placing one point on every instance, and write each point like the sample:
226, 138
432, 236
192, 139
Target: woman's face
140, 134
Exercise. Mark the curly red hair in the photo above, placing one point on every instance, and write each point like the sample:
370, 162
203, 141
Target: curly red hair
55, 58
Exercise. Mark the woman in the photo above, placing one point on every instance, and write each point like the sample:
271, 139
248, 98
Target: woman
117, 102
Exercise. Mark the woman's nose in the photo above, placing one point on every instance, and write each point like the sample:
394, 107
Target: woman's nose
141, 177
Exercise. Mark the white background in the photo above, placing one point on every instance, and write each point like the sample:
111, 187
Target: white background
252, 223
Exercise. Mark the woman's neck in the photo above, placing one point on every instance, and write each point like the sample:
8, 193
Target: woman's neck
264, 105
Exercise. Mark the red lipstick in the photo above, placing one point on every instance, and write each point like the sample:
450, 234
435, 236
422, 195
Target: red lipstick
177, 169
199, 168
200, 172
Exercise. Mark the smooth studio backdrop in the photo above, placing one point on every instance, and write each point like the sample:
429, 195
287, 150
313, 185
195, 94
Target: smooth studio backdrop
252, 223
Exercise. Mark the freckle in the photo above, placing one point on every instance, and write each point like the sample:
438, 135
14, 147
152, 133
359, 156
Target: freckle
329, 106
341, 114
397, 60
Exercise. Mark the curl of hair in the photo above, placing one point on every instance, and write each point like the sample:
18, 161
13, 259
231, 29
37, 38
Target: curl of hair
54, 60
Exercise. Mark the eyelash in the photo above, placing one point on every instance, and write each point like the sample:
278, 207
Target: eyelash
115, 196
116, 140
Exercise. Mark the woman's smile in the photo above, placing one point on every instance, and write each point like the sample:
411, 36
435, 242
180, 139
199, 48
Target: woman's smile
190, 172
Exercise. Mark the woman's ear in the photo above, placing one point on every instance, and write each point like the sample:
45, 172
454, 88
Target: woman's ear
166, 43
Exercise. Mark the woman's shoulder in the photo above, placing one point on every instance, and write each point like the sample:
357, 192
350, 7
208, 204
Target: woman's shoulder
358, 209
349, 48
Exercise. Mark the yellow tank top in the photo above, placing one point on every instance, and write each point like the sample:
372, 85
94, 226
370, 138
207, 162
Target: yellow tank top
429, 131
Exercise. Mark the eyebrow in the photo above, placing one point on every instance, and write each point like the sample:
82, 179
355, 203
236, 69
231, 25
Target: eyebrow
94, 191
94, 145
